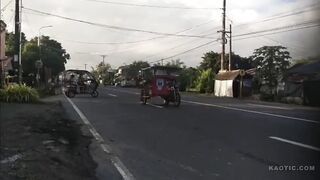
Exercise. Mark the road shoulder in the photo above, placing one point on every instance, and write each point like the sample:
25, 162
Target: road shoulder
105, 168
38, 142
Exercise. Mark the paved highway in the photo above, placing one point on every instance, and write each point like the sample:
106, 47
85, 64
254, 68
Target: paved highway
206, 138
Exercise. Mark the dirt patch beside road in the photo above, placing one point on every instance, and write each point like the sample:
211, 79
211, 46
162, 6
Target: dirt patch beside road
38, 143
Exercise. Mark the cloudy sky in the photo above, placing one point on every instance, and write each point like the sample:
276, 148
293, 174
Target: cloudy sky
87, 42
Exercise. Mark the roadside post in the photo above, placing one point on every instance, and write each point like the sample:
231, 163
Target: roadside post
242, 73
38, 65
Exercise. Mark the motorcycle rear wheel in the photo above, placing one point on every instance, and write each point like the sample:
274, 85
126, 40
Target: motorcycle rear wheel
95, 94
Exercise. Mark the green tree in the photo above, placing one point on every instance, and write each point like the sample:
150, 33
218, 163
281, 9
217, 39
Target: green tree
187, 75
10, 43
176, 63
135, 67
187, 78
238, 62
205, 82
210, 60
52, 54
30, 55
271, 62
101, 72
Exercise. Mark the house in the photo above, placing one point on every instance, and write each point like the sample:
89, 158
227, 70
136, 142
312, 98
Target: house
5, 64
227, 83
302, 82
122, 77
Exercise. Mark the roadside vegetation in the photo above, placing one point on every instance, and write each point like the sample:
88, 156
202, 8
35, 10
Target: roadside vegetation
269, 64
19, 94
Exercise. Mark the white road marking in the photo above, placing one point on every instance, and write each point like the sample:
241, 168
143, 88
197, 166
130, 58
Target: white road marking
295, 143
122, 169
113, 95
267, 106
251, 111
153, 105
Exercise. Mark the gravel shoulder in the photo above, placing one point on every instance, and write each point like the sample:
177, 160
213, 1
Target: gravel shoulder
38, 142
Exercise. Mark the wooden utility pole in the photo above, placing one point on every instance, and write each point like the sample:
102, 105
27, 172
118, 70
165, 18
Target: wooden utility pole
2, 64
20, 42
230, 48
17, 40
223, 35
103, 57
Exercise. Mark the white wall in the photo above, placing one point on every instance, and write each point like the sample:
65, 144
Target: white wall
223, 88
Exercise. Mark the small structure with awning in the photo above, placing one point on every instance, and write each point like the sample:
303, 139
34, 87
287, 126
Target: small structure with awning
227, 83
302, 81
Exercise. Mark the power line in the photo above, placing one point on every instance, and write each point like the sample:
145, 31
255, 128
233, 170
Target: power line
131, 42
284, 14
149, 56
284, 44
279, 28
297, 9
175, 47
152, 6
116, 27
5, 6
288, 30
210, 42
197, 47
290, 14
271, 18
184, 52
138, 41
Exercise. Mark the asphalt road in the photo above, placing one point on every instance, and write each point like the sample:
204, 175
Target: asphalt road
206, 138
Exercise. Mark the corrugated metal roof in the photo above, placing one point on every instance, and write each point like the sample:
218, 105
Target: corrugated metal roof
228, 75
313, 68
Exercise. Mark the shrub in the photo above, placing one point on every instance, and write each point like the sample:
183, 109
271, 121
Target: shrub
205, 82
19, 93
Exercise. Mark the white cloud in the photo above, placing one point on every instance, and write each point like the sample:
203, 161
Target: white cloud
164, 20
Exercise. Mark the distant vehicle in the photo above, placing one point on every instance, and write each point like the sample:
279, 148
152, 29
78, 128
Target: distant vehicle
79, 82
160, 81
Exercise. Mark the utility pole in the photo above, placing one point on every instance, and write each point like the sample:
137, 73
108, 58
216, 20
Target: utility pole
20, 43
2, 64
103, 56
230, 48
85, 66
223, 35
17, 34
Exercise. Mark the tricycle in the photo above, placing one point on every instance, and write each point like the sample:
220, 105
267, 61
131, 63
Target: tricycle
79, 82
160, 81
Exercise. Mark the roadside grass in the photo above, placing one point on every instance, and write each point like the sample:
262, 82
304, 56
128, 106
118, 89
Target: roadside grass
18, 93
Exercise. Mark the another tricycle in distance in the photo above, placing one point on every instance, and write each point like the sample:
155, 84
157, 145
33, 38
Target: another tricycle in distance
160, 81
78, 82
